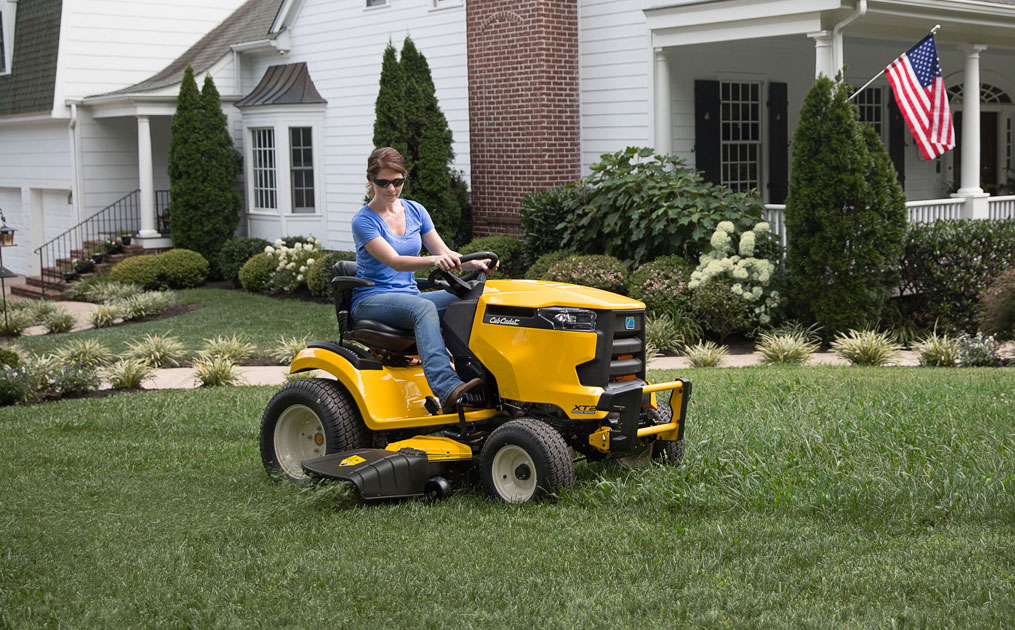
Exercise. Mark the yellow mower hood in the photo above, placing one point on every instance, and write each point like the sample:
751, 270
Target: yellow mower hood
539, 293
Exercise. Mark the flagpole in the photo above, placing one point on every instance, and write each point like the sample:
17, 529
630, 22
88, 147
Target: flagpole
875, 77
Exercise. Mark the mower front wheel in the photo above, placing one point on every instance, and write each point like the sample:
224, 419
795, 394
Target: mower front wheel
525, 459
671, 453
306, 419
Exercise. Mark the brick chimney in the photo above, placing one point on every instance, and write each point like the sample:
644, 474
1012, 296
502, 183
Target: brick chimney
523, 105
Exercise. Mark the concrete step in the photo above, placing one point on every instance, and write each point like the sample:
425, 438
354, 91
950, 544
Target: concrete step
48, 281
35, 293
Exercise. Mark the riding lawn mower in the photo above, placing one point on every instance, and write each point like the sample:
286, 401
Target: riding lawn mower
562, 371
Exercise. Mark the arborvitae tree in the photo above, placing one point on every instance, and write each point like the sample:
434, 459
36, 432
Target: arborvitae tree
204, 203
845, 214
389, 122
425, 141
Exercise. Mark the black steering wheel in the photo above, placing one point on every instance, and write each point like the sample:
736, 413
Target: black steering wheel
461, 286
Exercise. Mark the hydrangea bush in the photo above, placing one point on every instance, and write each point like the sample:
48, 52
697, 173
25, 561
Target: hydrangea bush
731, 262
291, 263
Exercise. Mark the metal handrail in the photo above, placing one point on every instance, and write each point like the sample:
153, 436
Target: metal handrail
56, 256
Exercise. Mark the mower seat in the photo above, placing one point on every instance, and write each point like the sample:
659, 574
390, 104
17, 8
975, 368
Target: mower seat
375, 335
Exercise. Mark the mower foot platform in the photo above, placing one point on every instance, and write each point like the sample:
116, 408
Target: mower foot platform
382, 474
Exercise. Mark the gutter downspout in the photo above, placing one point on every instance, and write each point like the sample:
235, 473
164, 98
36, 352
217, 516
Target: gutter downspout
75, 159
837, 56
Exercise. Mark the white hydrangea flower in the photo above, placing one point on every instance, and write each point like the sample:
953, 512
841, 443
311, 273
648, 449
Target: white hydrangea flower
281, 265
291, 265
764, 319
303, 268
756, 292
298, 246
737, 289
279, 242
762, 227
740, 274
720, 240
747, 244
268, 249
726, 226
299, 278
310, 261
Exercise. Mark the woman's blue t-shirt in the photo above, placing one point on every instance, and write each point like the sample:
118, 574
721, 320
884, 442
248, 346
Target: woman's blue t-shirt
368, 225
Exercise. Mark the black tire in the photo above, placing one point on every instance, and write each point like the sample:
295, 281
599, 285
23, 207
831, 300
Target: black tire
317, 410
437, 489
525, 459
671, 453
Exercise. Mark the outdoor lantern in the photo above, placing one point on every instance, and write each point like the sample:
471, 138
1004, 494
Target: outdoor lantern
6, 240
6, 233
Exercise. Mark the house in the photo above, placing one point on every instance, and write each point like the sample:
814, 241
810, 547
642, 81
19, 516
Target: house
533, 91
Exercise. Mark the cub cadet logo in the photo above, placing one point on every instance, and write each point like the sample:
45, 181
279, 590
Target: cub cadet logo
584, 409
629, 323
351, 461
506, 321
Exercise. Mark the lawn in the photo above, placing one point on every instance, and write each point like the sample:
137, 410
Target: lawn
220, 312
810, 497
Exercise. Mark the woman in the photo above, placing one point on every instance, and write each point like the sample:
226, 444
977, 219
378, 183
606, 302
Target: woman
388, 233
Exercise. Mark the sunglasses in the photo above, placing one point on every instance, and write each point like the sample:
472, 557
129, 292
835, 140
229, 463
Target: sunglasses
383, 183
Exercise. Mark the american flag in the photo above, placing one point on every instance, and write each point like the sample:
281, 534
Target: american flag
919, 90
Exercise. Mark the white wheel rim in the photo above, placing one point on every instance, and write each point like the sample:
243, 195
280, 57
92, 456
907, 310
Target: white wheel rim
299, 435
509, 468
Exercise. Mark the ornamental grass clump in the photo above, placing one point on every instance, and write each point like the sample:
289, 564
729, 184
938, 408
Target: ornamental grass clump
980, 351
158, 351
88, 352
706, 354
59, 321
233, 348
866, 347
215, 371
938, 350
287, 348
291, 263
127, 373
15, 323
104, 315
668, 334
786, 348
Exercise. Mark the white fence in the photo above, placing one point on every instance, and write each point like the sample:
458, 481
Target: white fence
926, 211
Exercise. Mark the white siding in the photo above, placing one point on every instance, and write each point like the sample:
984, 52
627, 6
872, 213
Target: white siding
108, 160
343, 45
106, 45
615, 88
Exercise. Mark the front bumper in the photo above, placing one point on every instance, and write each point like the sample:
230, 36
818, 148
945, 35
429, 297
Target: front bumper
624, 405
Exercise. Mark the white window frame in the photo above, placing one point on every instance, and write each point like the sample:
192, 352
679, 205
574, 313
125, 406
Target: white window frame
436, 5
377, 4
293, 169
880, 109
281, 118
759, 143
8, 13
259, 170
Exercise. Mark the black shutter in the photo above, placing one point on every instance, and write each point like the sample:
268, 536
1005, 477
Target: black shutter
707, 140
897, 138
778, 143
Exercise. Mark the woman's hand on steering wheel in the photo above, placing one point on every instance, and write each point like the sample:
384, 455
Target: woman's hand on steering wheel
480, 262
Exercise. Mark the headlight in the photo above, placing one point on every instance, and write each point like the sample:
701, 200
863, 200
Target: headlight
569, 318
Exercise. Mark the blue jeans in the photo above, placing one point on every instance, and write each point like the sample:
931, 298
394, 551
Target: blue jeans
422, 314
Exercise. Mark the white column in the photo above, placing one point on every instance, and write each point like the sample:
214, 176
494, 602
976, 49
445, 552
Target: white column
823, 57
969, 184
661, 102
146, 178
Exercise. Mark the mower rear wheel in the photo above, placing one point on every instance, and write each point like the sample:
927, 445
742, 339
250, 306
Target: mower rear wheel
525, 459
306, 419
667, 452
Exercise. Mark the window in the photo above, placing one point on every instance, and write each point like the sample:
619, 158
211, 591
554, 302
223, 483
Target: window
740, 119
3, 51
301, 166
376, 3
1009, 145
870, 104
263, 149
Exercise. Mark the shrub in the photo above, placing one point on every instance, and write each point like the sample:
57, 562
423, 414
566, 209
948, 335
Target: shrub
256, 272
9, 357
706, 354
157, 350
104, 315
214, 371
127, 373
320, 273
73, 379
59, 321
845, 214
291, 263
719, 310
544, 219
996, 314
980, 351
15, 385
234, 348
598, 271
938, 351
538, 269
785, 348
509, 252
235, 252
175, 269
866, 347
947, 264
662, 285
88, 352
288, 348
642, 206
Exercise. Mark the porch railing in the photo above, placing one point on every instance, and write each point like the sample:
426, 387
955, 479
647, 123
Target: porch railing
123, 216
926, 211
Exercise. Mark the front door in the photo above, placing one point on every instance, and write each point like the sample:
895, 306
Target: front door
988, 151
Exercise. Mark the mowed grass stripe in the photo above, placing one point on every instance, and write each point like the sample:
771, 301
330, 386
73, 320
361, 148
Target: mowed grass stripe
809, 498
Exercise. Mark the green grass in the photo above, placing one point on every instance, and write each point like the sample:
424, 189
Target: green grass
810, 497
261, 319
